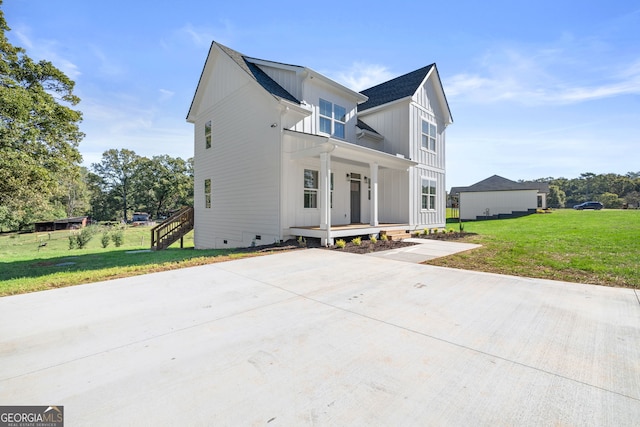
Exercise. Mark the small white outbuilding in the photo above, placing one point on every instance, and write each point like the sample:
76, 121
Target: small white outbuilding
498, 197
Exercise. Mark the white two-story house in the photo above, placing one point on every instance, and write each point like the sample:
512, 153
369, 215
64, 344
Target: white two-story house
282, 151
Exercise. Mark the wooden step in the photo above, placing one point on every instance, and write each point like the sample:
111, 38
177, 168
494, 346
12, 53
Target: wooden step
396, 234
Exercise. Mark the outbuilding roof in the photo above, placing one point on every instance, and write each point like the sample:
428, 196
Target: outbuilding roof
498, 183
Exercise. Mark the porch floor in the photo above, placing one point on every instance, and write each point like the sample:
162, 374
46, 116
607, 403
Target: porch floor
345, 230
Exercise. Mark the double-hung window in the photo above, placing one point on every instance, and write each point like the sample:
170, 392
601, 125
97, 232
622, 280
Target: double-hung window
428, 194
207, 134
310, 188
333, 118
428, 136
207, 193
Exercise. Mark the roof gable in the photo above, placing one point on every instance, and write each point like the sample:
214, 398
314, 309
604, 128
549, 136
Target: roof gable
395, 89
406, 86
258, 75
252, 70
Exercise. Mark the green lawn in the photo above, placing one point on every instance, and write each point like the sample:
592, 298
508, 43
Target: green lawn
600, 247
27, 267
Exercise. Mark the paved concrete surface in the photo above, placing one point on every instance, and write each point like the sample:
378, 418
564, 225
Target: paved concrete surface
319, 337
425, 250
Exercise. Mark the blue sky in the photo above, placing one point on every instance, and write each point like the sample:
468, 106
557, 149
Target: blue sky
547, 88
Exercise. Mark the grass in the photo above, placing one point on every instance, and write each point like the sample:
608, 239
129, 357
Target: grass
25, 266
599, 247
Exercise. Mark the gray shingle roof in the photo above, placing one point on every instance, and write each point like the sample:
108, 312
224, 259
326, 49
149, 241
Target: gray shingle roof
260, 76
498, 183
394, 89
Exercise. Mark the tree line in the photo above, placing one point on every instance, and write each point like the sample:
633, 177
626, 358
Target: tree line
41, 177
612, 190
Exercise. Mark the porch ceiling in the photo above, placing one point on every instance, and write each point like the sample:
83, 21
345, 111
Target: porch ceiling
346, 151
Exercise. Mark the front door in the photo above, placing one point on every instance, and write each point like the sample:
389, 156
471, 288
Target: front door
355, 202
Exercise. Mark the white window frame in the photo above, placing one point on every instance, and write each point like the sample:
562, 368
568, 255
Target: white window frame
336, 121
207, 134
207, 193
310, 189
429, 135
428, 198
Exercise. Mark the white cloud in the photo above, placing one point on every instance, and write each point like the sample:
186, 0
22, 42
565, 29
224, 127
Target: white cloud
108, 66
202, 36
542, 76
166, 95
361, 76
47, 50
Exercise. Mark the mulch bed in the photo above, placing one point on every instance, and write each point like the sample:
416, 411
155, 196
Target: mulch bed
456, 235
364, 248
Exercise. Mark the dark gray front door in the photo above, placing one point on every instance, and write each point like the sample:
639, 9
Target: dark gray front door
355, 202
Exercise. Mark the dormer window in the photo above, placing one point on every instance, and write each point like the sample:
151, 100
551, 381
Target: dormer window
332, 119
428, 136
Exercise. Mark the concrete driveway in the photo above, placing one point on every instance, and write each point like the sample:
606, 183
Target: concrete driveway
317, 337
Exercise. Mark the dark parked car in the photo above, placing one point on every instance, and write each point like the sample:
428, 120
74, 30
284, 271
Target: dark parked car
589, 205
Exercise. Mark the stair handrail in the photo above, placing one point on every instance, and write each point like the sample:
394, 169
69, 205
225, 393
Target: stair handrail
171, 224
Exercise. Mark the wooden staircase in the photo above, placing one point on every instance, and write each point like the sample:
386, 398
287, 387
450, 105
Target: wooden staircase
172, 229
396, 234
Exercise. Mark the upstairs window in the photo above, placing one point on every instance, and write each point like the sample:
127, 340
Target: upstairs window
332, 119
428, 194
207, 134
428, 136
207, 193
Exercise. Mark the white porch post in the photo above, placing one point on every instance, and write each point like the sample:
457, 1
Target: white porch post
374, 194
325, 197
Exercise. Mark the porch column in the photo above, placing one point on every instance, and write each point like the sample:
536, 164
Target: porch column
374, 194
325, 197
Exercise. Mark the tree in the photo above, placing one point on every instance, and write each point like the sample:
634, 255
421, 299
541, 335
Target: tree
163, 183
633, 199
73, 194
39, 133
556, 198
610, 200
116, 170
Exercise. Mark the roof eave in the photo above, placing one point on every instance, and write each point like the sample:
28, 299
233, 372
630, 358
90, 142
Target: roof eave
357, 95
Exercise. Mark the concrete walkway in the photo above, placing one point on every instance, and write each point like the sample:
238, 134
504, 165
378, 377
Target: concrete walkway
426, 249
319, 337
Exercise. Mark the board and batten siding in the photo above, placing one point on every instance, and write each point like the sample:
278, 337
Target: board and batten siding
288, 79
243, 163
312, 91
473, 204
393, 123
428, 218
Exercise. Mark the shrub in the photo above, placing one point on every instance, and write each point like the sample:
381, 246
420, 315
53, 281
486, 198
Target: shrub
425, 231
82, 239
105, 239
373, 239
302, 242
357, 241
118, 237
85, 236
72, 242
384, 237
340, 243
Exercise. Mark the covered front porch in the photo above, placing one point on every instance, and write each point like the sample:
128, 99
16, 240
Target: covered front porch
372, 198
